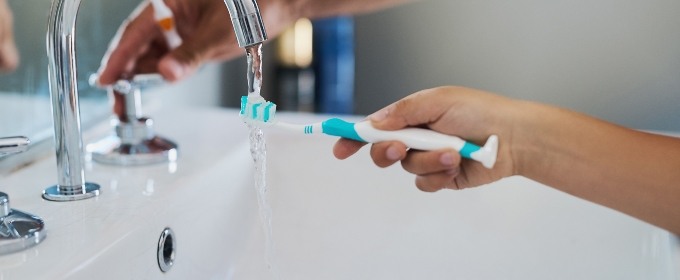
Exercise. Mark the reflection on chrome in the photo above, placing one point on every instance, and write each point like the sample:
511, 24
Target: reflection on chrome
135, 141
61, 56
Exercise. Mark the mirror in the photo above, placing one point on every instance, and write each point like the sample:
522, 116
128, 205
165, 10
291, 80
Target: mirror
25, 105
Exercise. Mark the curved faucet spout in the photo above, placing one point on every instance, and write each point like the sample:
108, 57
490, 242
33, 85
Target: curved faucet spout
247, 21
61, 53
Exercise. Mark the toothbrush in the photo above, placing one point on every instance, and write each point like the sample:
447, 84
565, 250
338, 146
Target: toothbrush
255, 110
166, 21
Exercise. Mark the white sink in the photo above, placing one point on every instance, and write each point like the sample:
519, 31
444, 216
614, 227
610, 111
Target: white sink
352, 220
331, 219
207, 199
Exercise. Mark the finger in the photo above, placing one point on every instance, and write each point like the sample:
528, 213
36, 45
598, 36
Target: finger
9, 56
420, 108
148, 62
132, 39
118, 104
385, 154
203, 45
425, 162
436, 181
345, 148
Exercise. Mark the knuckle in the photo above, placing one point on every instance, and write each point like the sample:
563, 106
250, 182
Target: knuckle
401, 105
452, 186
191, 54
412, 164
426, 185
406, 165
381, 163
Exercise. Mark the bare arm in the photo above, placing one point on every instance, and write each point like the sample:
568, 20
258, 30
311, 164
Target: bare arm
326, 8
634, 172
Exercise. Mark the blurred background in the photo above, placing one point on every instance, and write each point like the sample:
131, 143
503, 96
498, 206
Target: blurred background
618, 60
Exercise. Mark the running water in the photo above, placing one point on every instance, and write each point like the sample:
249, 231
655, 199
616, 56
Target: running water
258, 149
254, 56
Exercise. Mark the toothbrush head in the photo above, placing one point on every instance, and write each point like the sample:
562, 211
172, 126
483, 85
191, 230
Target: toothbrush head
257, 111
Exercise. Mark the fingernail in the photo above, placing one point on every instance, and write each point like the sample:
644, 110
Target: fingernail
446, 159
452, 171
177, 69
393, 154
378, 116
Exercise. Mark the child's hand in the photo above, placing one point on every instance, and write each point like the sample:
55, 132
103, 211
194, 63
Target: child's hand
466, 113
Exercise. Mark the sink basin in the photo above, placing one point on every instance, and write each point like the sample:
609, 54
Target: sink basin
352, 220
331, 219
206, 198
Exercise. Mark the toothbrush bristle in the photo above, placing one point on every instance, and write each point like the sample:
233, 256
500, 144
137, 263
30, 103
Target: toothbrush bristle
257, 112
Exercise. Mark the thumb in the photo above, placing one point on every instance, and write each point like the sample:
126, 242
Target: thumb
183, 61
420, 108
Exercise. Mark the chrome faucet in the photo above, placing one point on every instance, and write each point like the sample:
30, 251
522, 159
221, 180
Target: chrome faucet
18, 230
135, 142
13, 145
71, 185
61, 47
247, 21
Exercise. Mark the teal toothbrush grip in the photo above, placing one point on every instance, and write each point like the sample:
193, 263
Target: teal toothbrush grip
344, 129
340, 128
415, 138
468, 149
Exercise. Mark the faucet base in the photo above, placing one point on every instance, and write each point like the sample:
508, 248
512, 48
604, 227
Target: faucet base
111, 150
18, 230
54, 194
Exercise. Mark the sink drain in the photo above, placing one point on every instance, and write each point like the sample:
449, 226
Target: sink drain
167, 246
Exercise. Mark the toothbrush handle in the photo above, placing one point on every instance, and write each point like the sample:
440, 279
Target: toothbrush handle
428, 140
416, 138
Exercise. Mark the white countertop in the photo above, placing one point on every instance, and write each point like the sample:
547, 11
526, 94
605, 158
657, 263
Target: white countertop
352, 220
331, 219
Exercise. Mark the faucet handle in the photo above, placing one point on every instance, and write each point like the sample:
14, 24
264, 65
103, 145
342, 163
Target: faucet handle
13, 145
4, 204
18, 230
135, 141
127, 86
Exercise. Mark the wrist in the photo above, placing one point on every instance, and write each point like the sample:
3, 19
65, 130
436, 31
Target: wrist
532, 129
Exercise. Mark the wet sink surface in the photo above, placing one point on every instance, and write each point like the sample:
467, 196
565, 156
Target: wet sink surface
351, 220
331, 219
206, 198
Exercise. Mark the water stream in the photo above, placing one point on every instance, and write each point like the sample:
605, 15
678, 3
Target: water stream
258, 149
254, 57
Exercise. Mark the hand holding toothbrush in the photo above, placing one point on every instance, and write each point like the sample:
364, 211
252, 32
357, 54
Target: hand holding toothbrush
470, 114
624, 169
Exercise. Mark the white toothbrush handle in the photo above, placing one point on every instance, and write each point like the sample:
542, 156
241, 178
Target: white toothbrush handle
416, 138
427, 140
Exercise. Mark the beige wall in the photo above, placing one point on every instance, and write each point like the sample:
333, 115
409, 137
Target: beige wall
614, 59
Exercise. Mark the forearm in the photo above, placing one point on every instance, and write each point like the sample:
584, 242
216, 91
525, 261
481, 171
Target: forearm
327, 8
633, 172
